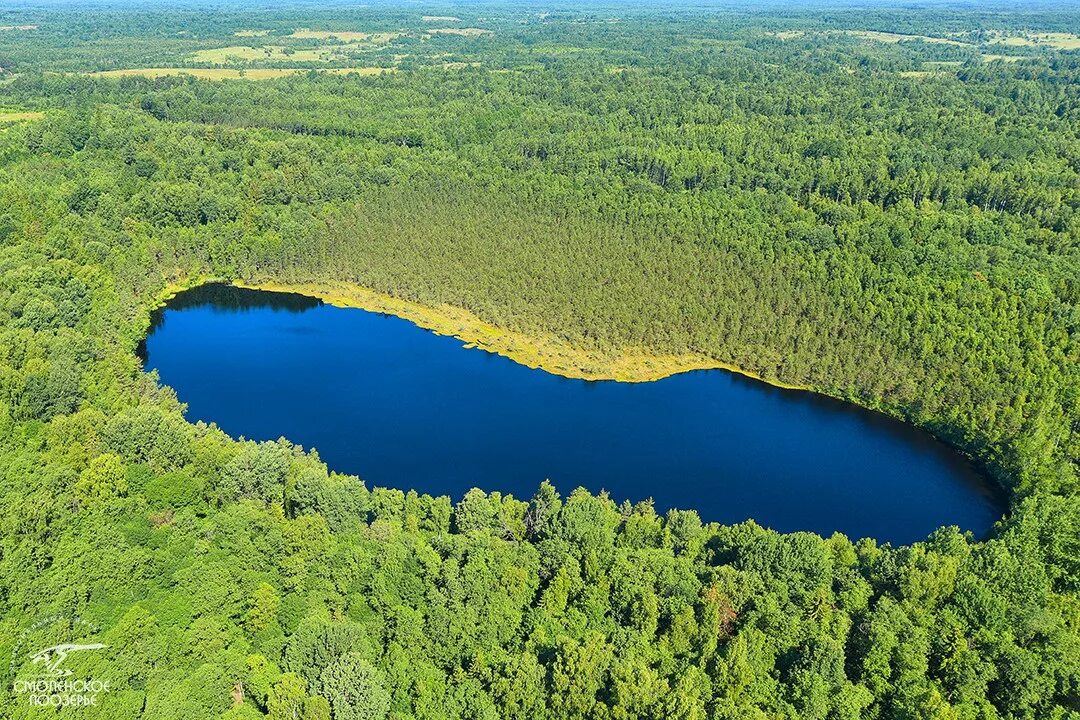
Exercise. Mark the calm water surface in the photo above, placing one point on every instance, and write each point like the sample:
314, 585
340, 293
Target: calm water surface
403, 407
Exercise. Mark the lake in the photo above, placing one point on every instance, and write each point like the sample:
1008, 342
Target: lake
402, 407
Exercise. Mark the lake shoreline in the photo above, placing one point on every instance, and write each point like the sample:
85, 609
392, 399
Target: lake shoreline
728, 446
549, 354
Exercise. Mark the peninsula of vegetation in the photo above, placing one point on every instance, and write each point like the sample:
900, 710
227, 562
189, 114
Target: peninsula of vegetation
550, 354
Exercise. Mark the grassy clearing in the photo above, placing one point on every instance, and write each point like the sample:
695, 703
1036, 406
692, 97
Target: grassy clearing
10, 116
990, 57
251, 33
275, 53
365, 71
464, 32
233, 73
201, 73
546, 353
887, 37
440, 18
345, 35
788, 34
1056, 40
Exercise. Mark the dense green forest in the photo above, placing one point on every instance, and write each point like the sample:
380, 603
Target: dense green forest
883, 205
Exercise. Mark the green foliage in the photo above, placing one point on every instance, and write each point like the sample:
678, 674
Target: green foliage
257, 472
355, 689
102, 481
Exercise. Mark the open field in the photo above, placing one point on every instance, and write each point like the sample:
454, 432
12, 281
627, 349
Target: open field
366, 71
251, 33
1056, 40
887, 37
440, 18
345, 35
8, 116
465, 32
233, 73
940, 67
874, 35
201, 73
220, 56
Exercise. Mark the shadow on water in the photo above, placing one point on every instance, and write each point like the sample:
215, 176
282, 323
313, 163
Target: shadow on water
226, 298
402, 407
969, 473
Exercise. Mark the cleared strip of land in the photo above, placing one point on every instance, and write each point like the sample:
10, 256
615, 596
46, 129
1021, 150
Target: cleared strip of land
345, 35
201, 73
7, 116
465, 32
1056, 40
888, 37
358, 71
275, 53
233, 73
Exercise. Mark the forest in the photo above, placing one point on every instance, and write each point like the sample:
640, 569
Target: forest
879, 204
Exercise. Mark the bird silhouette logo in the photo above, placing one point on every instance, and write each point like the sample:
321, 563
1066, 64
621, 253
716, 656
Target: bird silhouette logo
51, 658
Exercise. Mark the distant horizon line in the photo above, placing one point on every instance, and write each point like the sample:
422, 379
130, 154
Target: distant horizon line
749, 6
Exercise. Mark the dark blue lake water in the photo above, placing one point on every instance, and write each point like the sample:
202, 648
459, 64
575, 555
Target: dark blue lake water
402, 407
